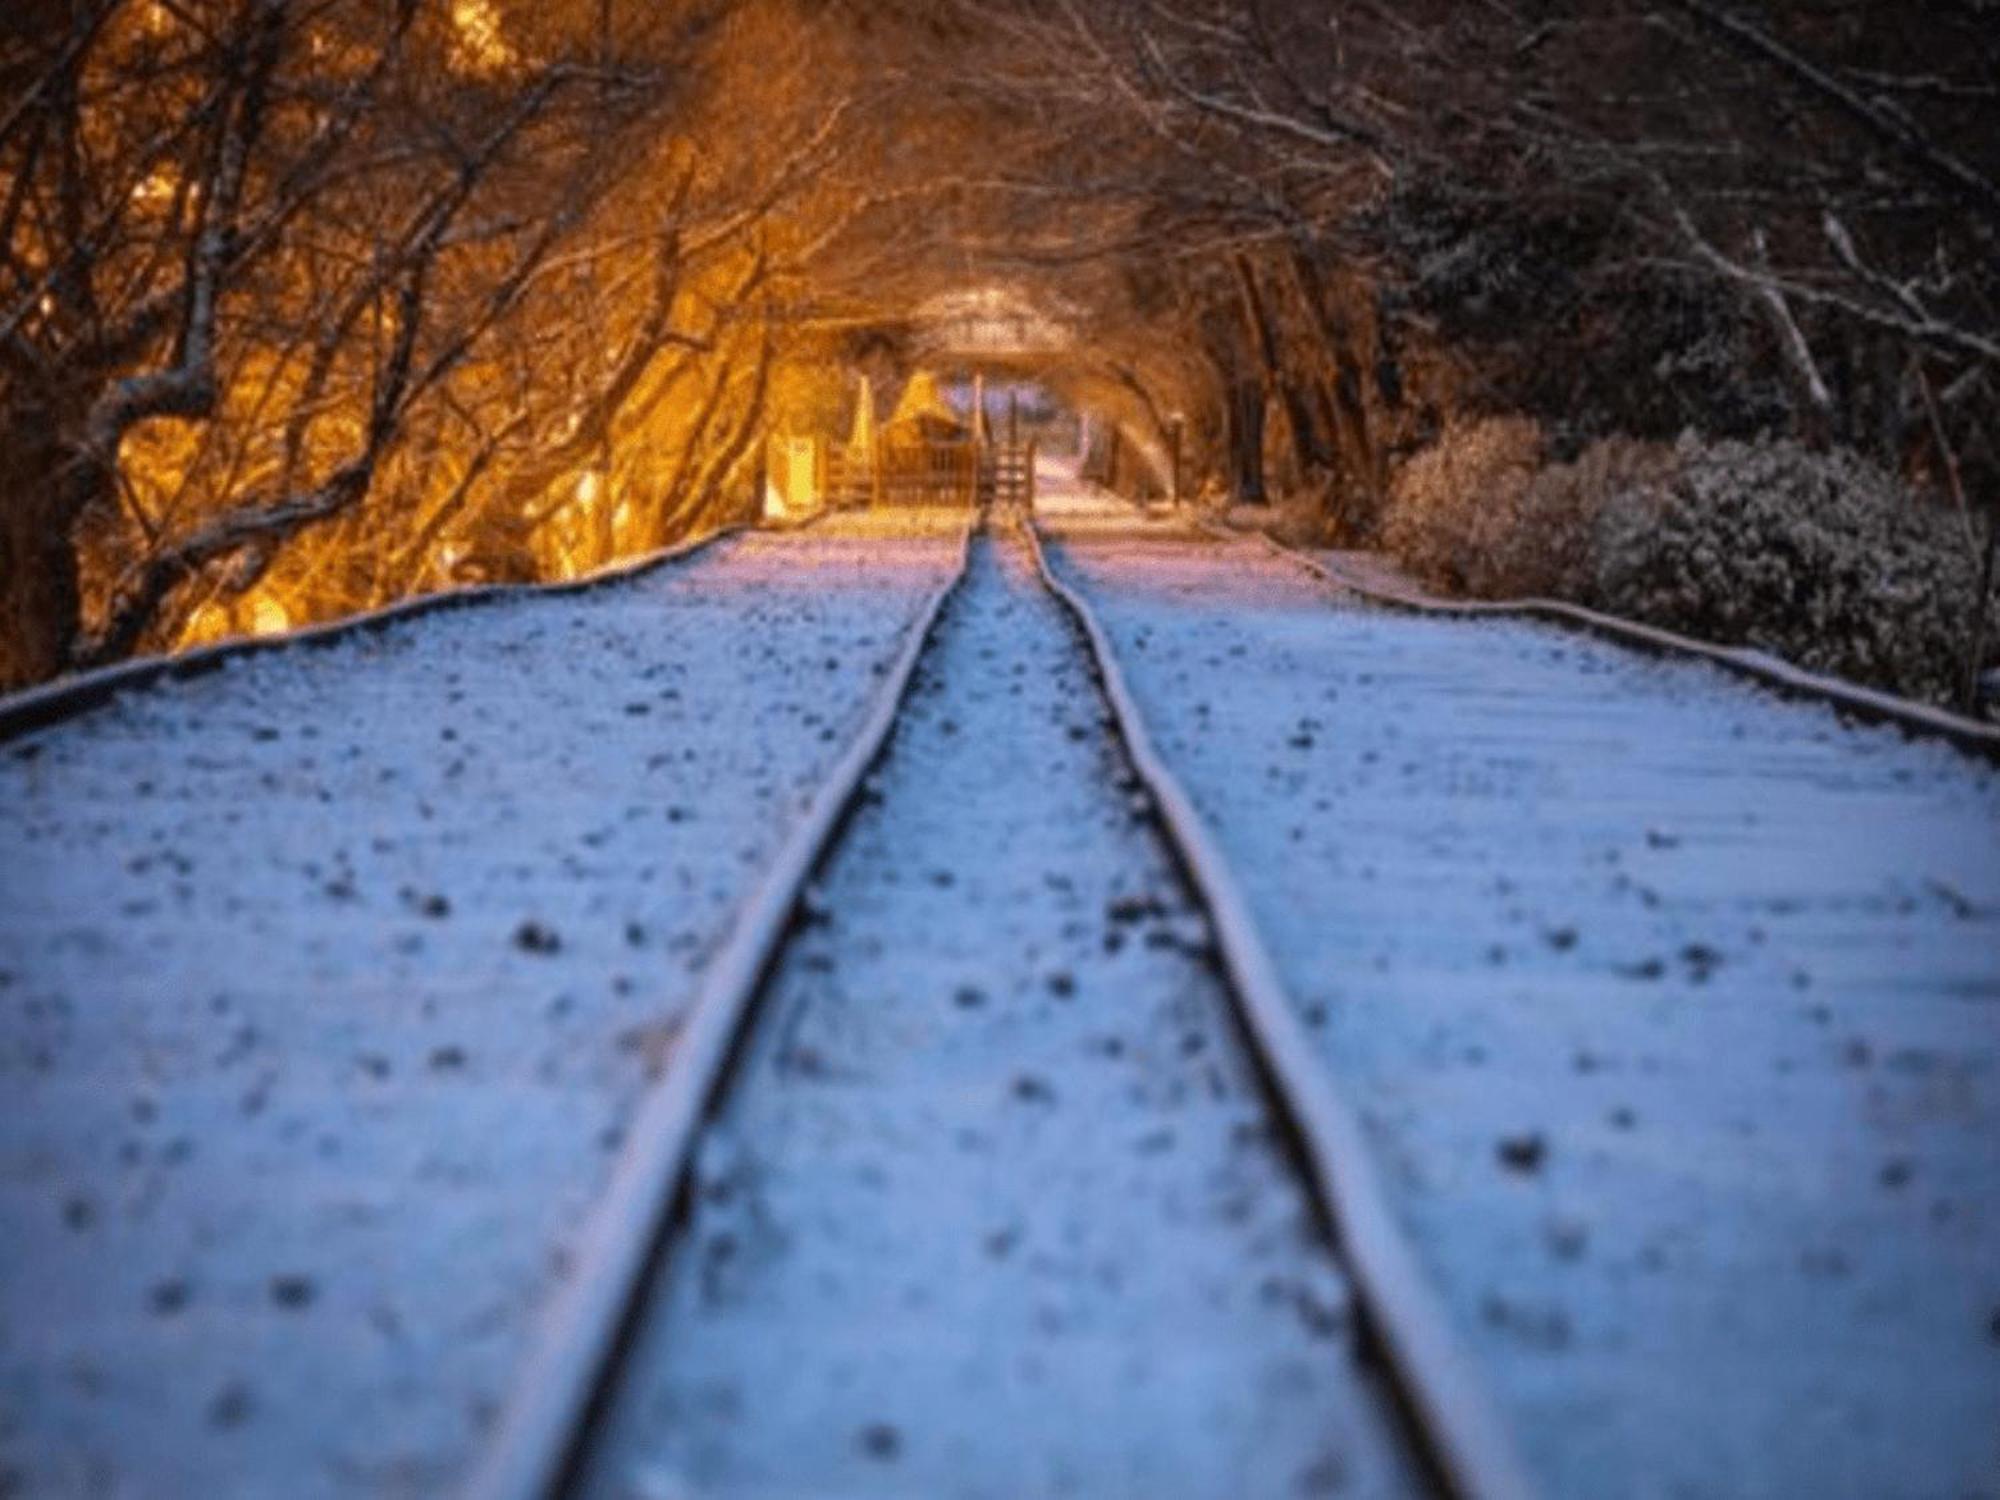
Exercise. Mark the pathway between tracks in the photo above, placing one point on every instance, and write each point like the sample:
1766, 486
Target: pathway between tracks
996, 1205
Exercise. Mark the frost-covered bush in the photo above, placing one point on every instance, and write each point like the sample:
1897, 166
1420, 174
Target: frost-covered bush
1478, 514
1449, 504
1542, 542
1817, 557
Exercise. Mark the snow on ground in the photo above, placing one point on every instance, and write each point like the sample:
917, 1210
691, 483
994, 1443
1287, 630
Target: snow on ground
1674, 1009
326, 980
994, 1206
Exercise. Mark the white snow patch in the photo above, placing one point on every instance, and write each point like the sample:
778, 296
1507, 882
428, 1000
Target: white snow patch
995, 1206
1674, 1009
326, 982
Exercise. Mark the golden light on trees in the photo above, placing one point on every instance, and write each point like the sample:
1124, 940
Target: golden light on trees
328, 318
306, 308
482, 41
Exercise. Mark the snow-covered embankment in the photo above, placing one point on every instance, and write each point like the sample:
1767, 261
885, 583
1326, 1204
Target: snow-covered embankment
1674, 1010
326, 982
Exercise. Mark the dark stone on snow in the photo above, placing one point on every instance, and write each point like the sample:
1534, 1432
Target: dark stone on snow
293, 1291
880, 1441
231, 1406
1131, 908
1701, 960
1033, 1090
1544, 1327
535, 937
1522, 1153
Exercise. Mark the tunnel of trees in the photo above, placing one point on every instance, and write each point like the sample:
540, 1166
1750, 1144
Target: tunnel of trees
1684, 306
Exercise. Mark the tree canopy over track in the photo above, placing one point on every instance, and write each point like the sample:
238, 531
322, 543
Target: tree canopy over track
310, 304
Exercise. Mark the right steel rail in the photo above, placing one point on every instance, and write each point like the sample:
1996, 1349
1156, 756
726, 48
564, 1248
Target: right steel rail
1465, 1441
1852, 699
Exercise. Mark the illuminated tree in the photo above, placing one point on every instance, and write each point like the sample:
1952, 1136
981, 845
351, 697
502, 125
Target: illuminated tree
303, 307
307, 306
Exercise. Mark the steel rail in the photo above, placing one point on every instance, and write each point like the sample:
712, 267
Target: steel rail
1463, 1440
1868, 704
544, 1429
69, 697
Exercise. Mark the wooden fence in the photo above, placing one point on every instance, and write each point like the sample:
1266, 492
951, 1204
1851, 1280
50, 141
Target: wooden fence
926, 472
804, 474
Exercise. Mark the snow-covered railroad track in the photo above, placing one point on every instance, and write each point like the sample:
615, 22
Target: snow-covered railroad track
1003, 1192
566, 1377
329, 981
69, 697
1667, 1005
1858, 703
1463, 1440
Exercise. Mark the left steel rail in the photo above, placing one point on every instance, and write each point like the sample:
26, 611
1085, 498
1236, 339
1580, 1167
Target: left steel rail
544, 1428
70, 697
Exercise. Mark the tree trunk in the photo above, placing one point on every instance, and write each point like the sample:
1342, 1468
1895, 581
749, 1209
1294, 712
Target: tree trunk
1308, 452
1247, 399
1363, 459
41, 600
1975, 654
1388, 359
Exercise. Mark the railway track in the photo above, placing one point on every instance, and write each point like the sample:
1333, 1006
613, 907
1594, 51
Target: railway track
1851, 700
988, 1142
70, 697
432, 896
